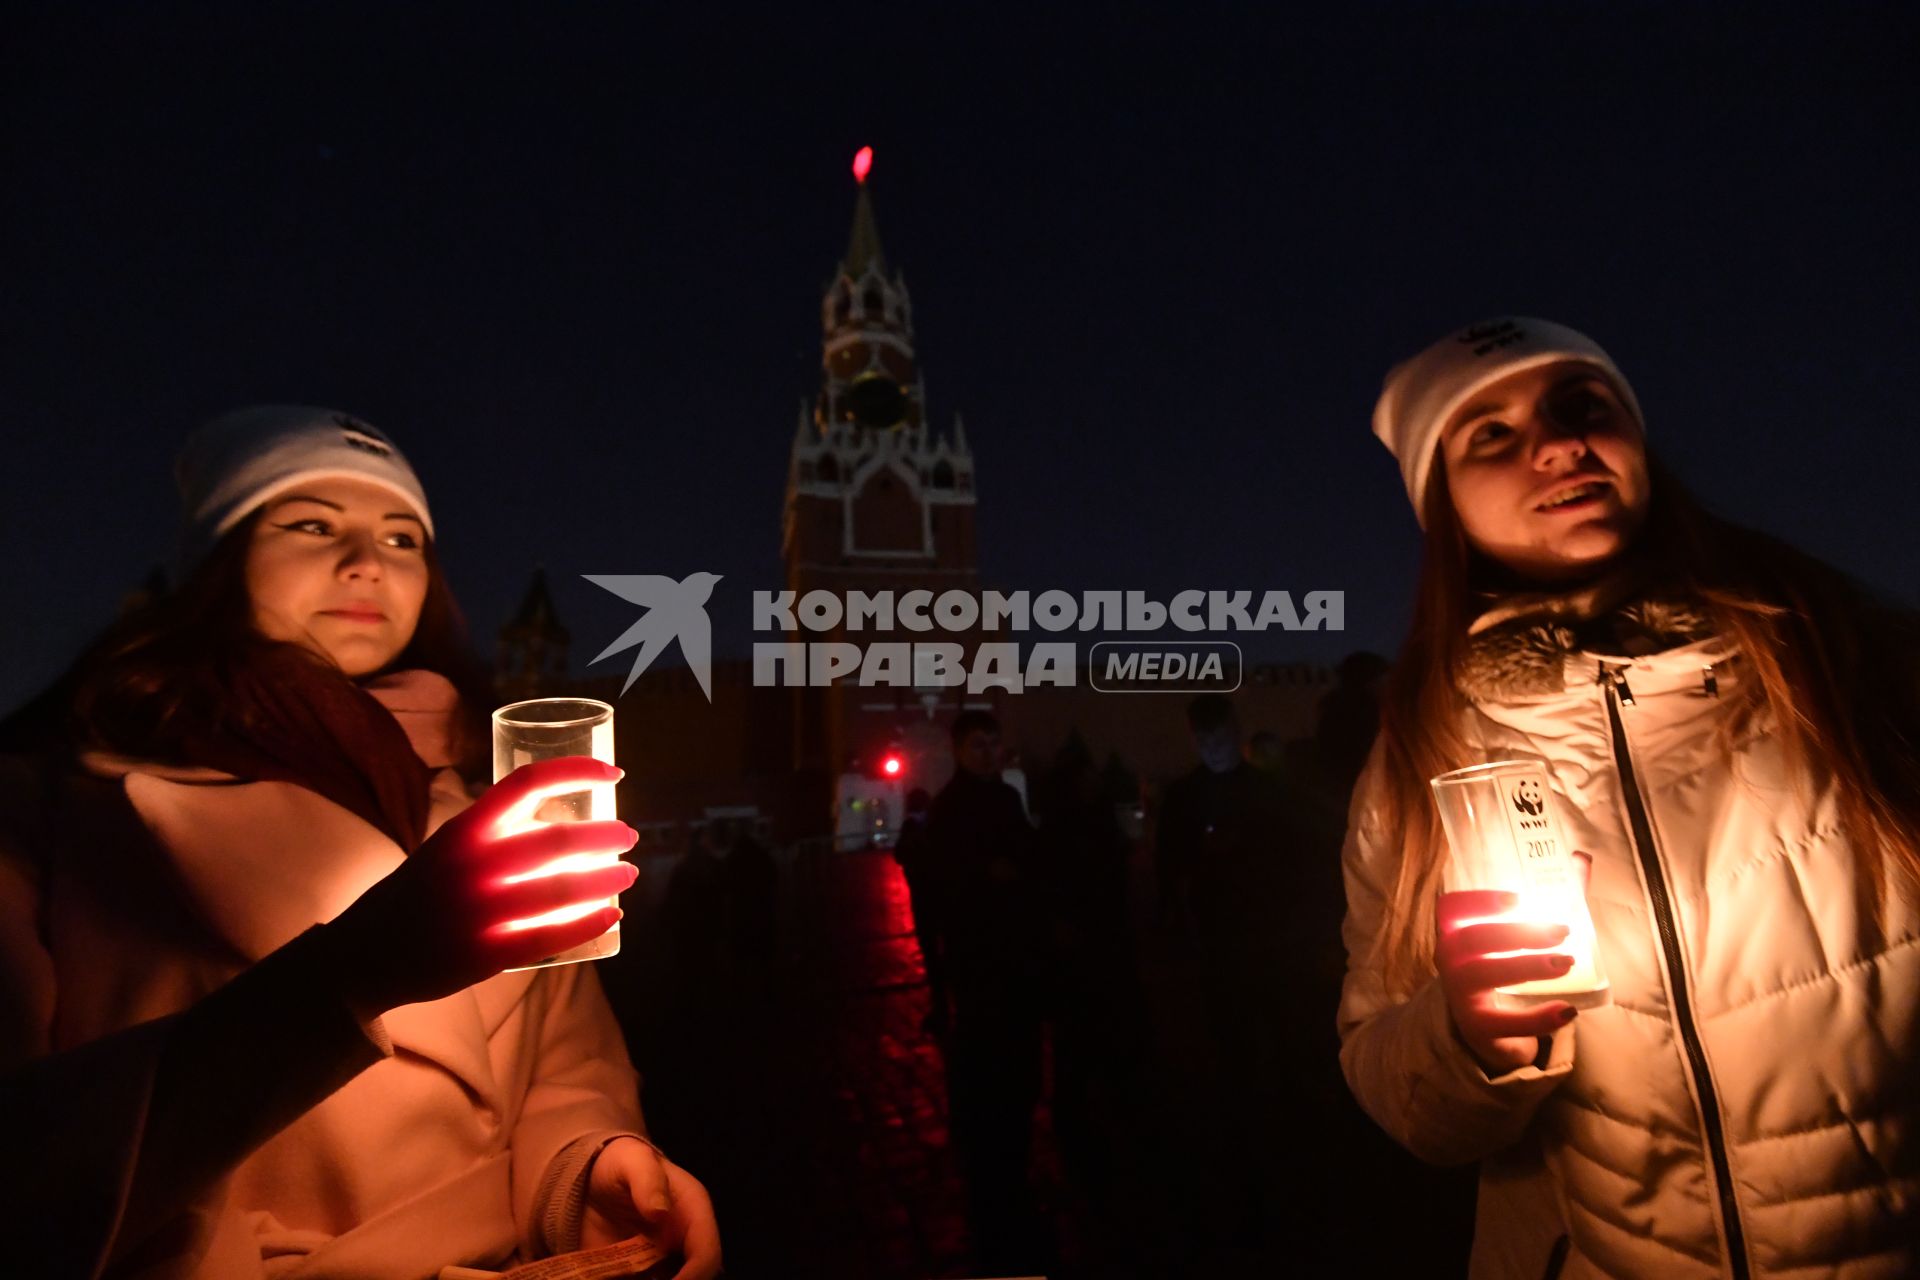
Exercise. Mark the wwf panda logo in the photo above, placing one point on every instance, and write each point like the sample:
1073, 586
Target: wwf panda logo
1528, 799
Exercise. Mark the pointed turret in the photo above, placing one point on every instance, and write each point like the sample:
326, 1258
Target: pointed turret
533, 645
863, 246
871, 378
536, 611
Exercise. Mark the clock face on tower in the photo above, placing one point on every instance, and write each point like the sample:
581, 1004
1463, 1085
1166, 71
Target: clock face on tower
877, 401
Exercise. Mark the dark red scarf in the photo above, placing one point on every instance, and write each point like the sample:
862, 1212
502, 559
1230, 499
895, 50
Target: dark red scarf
302, 721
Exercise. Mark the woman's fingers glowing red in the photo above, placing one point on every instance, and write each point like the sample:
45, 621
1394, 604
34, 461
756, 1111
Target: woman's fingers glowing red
523, 946
524, 899
528, 851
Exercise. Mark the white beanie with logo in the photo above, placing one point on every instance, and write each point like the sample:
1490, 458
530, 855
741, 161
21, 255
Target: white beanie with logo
238, 461
1422, 393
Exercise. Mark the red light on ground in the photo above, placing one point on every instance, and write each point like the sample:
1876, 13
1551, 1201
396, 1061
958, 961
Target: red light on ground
891, 766
862, 164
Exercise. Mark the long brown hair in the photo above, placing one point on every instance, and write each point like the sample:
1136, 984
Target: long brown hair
157, 677
1835, 669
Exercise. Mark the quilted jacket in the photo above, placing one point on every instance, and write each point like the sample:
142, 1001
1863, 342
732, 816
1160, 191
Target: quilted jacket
1748, 1104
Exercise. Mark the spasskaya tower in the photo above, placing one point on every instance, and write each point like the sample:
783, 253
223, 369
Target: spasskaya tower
876, 500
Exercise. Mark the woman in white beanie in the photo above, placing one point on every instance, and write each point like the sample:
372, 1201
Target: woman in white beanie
253, 1019
1734, 729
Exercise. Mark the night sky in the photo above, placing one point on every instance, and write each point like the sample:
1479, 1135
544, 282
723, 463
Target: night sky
1159, 260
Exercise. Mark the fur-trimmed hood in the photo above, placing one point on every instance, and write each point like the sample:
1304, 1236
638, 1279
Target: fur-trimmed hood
1519, 643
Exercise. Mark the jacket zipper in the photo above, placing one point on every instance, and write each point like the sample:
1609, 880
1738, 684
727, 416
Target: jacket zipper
1618, 694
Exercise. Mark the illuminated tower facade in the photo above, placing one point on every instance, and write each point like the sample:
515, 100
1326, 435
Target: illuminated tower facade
876, 500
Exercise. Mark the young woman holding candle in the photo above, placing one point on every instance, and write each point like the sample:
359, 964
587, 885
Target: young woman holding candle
1732, 728
253, 1019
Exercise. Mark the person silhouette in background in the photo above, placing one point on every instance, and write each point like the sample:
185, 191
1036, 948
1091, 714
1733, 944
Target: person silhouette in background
1348, 720
751, 879
985, 860
694, 919
1099, 1006
1228, 850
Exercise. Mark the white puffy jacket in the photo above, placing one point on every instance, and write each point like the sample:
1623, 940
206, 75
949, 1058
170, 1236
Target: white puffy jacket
1749, 1103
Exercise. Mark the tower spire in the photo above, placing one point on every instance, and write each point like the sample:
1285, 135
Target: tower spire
533, 646
863, 246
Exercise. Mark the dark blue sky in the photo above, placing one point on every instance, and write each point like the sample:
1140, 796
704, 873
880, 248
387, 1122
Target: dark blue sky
1160, 261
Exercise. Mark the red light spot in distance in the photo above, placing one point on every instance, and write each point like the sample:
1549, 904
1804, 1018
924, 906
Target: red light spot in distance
862, 163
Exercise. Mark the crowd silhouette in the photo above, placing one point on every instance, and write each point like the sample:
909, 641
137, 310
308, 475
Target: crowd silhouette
1135, 1031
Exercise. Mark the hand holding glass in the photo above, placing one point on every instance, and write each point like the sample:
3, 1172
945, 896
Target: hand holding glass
545, 729
444, 918
1504, 835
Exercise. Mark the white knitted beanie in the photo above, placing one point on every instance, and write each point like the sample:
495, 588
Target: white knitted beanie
1422, 393
238, 461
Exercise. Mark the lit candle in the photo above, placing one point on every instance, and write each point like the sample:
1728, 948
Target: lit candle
545, 729
1503, 833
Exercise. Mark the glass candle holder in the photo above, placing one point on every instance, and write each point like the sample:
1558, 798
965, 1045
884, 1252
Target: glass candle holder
543, 729
1503, 832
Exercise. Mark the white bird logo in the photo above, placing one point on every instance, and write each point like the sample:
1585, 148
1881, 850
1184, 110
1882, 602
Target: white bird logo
675, 611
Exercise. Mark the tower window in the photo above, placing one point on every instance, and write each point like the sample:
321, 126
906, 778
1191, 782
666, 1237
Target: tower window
942, 475
875, 302
828, 470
